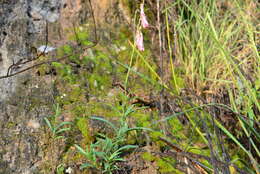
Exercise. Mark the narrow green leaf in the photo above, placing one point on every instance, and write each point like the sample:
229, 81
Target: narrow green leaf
139, 128
86, 165
59, 137
48, 123
63, 130
127, 147
82, 151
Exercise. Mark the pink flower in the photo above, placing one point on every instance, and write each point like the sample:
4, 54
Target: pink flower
139, 40
144, 21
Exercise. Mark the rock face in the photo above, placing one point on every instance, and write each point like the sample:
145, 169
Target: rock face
21, 25
23, 103
26, 99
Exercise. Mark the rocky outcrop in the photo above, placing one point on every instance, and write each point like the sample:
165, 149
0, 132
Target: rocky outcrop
24, 98
22, 27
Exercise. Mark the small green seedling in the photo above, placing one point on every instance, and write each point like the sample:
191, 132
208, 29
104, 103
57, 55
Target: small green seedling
55, 127
106, 152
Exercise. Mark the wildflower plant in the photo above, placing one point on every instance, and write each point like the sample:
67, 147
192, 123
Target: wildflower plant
144, 24
144, 21
139, 41
106, 152
57, 128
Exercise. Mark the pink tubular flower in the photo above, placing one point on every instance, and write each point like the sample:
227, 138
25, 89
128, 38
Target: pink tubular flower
144, 21
139, 40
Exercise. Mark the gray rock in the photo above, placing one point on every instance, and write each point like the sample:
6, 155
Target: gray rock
22, 105
22, 25
45, 10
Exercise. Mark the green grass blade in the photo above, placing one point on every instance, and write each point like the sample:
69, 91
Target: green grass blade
63, 130
85, 165
48, 123
62, 124
235, 140
82, 151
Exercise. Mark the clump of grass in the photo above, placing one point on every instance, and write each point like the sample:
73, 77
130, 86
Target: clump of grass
211, 45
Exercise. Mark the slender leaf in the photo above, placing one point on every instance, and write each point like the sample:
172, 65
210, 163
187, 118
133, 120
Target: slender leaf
86, 165
82, 151
48, 123
63, 130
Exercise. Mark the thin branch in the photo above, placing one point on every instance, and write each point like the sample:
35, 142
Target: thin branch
10, 68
